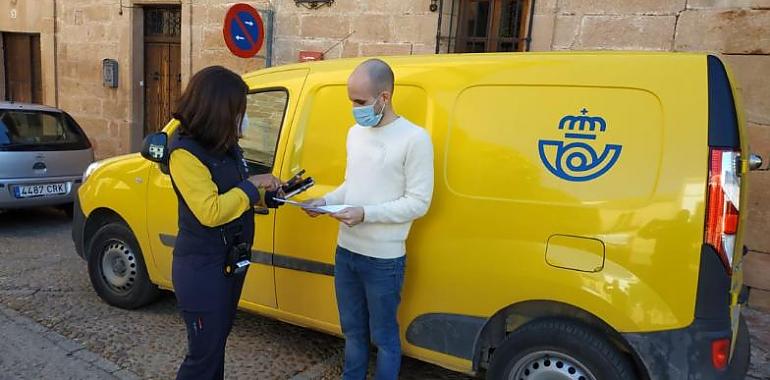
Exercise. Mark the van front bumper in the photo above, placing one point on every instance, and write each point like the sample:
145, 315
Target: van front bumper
686, 353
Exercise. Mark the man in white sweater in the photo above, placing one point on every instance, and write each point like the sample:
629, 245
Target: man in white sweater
389, 183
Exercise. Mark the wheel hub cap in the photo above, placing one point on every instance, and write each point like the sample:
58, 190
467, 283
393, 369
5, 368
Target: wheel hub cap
119, 266
549, 365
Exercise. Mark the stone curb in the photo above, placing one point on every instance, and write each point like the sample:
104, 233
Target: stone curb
73, 350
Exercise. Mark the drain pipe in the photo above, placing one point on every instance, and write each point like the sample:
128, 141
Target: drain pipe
269, 37
531, 18
451, 26
55, 56
438, 32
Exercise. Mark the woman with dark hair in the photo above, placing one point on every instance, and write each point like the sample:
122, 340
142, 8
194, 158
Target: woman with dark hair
216, 217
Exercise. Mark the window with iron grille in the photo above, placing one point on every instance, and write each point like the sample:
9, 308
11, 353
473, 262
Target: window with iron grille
162, 22
478, 26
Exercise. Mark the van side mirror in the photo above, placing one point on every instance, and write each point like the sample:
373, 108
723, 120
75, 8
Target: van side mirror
155, 149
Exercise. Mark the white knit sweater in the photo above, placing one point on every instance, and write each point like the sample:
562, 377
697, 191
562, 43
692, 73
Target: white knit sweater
390, 173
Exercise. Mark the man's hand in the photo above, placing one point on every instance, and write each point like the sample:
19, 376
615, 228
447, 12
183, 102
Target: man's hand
313, 203
351, 216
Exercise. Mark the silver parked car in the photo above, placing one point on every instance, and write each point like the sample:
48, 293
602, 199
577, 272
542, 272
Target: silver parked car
43, 154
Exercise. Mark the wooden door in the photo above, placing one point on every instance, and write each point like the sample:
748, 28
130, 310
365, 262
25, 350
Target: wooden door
162, 84
162, 68
21, 55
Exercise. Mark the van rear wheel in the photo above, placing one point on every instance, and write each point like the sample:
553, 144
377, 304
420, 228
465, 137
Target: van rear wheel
558, 350
116, 268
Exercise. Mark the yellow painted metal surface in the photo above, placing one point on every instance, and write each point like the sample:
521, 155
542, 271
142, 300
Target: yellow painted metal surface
575, 253
506, 181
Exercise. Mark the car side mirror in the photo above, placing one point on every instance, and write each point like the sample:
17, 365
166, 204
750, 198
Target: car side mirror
155, 149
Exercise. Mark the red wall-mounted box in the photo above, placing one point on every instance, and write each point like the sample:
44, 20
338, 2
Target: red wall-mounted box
306, 56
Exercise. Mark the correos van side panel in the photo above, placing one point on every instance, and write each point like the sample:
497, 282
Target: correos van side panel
571, 178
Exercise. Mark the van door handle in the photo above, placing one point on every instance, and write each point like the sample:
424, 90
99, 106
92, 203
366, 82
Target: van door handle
261, 210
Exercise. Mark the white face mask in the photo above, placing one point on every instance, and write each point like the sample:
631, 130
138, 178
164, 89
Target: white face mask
244, 124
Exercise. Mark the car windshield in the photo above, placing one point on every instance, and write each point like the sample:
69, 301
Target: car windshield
26, 130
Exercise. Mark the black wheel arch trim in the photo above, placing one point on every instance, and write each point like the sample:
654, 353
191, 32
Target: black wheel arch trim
473, 337
85, 227
451, 334
514, 316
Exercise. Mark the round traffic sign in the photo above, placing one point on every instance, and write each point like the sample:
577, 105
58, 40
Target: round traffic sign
244, 31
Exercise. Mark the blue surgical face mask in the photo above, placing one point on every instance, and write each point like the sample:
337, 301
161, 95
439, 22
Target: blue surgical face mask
366, 116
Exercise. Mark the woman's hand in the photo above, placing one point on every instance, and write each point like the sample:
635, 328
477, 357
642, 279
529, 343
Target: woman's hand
266, 181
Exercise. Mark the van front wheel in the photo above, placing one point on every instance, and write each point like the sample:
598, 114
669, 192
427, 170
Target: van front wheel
116, 268
558, 350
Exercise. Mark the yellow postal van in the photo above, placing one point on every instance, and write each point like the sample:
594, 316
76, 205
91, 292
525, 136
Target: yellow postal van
587, 221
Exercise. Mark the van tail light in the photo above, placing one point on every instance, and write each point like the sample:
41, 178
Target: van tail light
724, 190
720, 353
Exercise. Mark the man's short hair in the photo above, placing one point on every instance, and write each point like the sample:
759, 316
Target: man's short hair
380, 75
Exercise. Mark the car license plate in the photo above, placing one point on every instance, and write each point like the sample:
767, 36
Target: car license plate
42, 190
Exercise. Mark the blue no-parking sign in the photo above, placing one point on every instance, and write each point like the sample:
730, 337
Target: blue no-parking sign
244, 30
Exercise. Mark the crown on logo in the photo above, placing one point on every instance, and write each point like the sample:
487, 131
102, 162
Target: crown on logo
582, 123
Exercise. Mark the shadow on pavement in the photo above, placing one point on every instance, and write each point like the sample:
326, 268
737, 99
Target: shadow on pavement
14, 222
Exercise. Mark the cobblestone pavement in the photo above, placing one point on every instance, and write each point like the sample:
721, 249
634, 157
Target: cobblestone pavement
759, 327
29, 350
43, 279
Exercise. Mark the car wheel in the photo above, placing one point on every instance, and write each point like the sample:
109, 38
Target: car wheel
558, 350
116, 268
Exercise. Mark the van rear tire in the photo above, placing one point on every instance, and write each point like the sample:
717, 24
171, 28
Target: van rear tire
117, 270
560, 350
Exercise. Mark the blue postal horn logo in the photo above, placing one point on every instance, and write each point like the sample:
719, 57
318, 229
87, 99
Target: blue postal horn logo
573, 159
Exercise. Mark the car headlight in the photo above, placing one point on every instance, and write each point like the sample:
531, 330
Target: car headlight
91, 169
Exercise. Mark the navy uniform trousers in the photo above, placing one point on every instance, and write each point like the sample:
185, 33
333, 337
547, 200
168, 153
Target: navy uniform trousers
208, 301
206, 298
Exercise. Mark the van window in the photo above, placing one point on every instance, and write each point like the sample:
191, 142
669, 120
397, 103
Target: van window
265, 110
35, 130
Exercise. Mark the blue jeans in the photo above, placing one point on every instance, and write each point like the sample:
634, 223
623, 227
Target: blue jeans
368, 294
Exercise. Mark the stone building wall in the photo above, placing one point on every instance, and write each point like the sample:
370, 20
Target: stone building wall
23, 16
88, 31
393, 27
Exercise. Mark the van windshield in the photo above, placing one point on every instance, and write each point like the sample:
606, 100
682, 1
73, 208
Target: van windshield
35, 130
